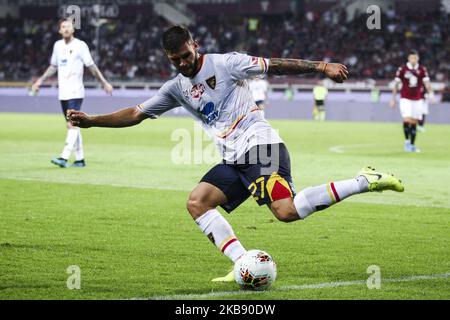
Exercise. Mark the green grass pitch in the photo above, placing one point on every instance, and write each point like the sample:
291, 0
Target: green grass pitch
123, 221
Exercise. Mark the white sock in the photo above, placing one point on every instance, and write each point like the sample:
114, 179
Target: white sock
321, 197
79, 153
71, 139
219, 231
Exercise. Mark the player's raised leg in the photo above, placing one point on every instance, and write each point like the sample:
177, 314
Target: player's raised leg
406, 132
75, 104
413, 133
79, 152
318, 198
421, 124
73, 137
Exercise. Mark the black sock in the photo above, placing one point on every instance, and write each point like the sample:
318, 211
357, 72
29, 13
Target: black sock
422, 122
406, 130
413, 133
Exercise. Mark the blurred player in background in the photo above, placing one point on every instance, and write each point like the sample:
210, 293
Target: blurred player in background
426, 97
259, 88
412, 76
320, 93
70, 56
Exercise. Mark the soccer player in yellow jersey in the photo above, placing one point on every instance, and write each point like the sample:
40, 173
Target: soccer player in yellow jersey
320, 93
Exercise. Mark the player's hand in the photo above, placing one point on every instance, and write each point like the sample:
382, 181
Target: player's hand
108, 88
336, 72
36, 85
79, 119
392, 103
432, 99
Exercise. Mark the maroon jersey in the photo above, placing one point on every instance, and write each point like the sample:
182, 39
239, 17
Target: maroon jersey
412, 80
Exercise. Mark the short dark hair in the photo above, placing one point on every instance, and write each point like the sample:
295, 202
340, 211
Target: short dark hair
413, 52
174, 37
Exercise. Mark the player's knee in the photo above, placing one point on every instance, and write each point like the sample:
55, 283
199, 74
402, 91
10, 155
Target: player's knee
192, 207
284, 216
196, 205
285, 212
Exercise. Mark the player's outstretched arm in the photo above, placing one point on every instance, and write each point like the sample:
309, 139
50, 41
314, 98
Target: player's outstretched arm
430, 92
394, 95
99, 76
122, 118
51, 70
335, 71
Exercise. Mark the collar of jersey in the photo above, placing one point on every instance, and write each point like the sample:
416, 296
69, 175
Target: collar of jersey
65, 43
409, 65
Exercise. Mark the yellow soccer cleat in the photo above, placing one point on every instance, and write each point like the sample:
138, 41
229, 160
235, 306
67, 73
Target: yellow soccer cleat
228, 278
379, 181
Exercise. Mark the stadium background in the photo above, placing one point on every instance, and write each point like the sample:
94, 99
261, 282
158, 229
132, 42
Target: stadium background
124, 37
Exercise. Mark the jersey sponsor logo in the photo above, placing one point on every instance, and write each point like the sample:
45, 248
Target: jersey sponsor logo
209, 113
211, 82
412, 79
197, 90
63, 62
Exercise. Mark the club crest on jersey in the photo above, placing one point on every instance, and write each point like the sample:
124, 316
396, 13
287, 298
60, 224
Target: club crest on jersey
211, 82
254, 60
197, 90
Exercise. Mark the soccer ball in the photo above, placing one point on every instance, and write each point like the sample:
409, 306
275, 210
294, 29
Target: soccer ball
255, 270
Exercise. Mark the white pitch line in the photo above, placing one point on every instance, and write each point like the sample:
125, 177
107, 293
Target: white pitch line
116, 185
216, 294
341, 148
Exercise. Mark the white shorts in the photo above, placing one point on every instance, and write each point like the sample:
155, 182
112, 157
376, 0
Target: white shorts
424, 106
411, 108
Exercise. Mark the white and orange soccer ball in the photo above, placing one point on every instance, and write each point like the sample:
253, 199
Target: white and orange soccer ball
255, 270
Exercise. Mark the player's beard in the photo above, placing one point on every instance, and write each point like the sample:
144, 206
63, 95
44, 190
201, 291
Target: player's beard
191, 70
67, 36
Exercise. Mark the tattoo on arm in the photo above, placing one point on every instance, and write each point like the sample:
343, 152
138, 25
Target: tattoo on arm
278, 66
97, 74
51, 70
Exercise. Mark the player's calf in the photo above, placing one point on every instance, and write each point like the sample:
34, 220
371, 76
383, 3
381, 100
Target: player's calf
202, 204
318, 198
